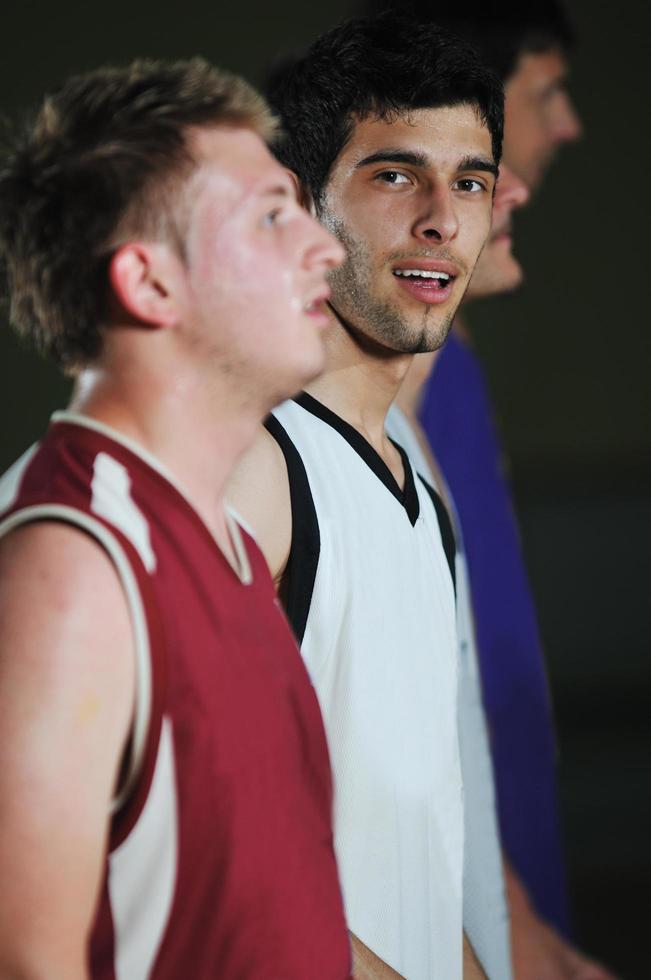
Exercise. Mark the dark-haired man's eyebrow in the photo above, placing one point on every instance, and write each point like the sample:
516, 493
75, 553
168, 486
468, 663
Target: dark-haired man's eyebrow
390, 155
410, 159
479, 163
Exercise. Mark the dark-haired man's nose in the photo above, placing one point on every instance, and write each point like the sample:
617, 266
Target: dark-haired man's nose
438, 220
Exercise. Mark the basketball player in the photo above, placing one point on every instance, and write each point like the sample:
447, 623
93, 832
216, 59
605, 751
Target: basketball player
394, 137
164, 779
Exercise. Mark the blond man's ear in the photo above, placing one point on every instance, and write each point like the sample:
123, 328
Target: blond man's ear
144, 278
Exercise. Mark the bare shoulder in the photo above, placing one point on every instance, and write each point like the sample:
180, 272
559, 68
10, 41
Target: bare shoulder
259, 492
64, 619
51, 568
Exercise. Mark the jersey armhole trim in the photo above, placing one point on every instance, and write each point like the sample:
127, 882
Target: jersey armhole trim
303, 560
445, 527
143, 694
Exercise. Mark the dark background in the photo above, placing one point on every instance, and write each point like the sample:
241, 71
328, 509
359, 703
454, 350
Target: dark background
567, 359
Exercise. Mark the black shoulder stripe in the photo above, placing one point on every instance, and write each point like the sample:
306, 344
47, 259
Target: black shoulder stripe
300, 574
445, 527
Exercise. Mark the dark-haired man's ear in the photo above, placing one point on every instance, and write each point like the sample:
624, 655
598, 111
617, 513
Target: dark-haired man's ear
302, 193
145, 282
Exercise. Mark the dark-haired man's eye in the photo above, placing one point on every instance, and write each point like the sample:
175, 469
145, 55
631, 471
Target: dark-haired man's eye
471, 185
392, 177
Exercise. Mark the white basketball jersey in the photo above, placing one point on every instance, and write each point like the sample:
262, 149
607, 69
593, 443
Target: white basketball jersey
371, 596
485, 912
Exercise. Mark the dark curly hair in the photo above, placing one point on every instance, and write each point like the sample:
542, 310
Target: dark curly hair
372, 66
100, 162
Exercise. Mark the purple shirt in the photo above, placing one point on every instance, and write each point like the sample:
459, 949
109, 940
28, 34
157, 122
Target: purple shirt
457, 417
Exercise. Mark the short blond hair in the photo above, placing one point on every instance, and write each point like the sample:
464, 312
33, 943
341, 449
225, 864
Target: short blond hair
104, 152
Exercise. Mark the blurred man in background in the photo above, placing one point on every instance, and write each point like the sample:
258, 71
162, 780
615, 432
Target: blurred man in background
528, 46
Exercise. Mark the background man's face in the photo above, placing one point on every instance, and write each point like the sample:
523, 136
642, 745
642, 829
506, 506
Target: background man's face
538, 119
539, 114
256, 266
411, 200
498, 270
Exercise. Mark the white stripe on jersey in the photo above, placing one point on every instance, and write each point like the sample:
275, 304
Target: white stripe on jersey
142, 872
112, 500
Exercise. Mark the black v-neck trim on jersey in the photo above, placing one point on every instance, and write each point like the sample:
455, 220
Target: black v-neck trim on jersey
408, 498
445, 527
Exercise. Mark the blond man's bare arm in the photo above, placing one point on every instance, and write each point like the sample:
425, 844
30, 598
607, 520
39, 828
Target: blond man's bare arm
66, 695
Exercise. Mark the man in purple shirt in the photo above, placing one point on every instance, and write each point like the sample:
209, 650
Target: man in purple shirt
527, 45
457, 416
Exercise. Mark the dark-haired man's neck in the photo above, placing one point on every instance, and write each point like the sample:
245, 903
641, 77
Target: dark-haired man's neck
359, 383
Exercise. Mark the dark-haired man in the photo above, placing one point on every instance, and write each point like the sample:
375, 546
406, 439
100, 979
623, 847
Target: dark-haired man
395, 140
164, 774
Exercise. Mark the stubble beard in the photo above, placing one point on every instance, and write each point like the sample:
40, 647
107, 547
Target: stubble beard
379, 321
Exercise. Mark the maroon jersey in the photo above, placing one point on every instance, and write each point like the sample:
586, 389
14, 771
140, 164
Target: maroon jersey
220, 861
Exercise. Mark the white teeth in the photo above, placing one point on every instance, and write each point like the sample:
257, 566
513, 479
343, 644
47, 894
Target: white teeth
423, 273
